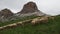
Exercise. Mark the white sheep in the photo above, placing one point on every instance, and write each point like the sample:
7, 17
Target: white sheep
44, 20
1, 28
11, 25
19, 23
40, 20
35, 21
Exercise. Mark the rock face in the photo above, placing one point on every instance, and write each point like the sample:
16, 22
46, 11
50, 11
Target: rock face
5, 14
30, 9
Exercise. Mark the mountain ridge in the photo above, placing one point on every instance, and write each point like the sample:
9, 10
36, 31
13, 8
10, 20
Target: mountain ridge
29, 9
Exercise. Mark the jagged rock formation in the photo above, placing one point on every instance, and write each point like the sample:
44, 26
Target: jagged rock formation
5, 14
30, 9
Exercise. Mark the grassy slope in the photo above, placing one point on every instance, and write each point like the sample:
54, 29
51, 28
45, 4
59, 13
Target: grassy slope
52, 27
17, 20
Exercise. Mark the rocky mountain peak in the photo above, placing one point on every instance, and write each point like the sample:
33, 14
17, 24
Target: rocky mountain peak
5, 14
29, 7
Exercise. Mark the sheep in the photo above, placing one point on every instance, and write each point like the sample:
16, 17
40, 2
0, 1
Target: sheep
11, 25
27, 21
14, 24
52, 17
1, 28
44, 20
35, 21
39, 20
19, 23
4, 27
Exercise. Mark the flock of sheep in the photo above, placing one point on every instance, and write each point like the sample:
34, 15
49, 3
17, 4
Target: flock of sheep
32, 21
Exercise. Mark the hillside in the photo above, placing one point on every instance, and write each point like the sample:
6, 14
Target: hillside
28, 9
52, 27
30, 20
18, 19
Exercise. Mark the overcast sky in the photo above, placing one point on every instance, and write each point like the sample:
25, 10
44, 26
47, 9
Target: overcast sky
47, 6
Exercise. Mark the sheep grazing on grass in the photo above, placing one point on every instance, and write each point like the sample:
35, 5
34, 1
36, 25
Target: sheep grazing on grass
44, 20
52, 17
35, 21
27, 21
11, 25
1, 28
39, 20
19, 23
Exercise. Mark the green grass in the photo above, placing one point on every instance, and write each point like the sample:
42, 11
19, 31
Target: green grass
52, 27
17, 20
